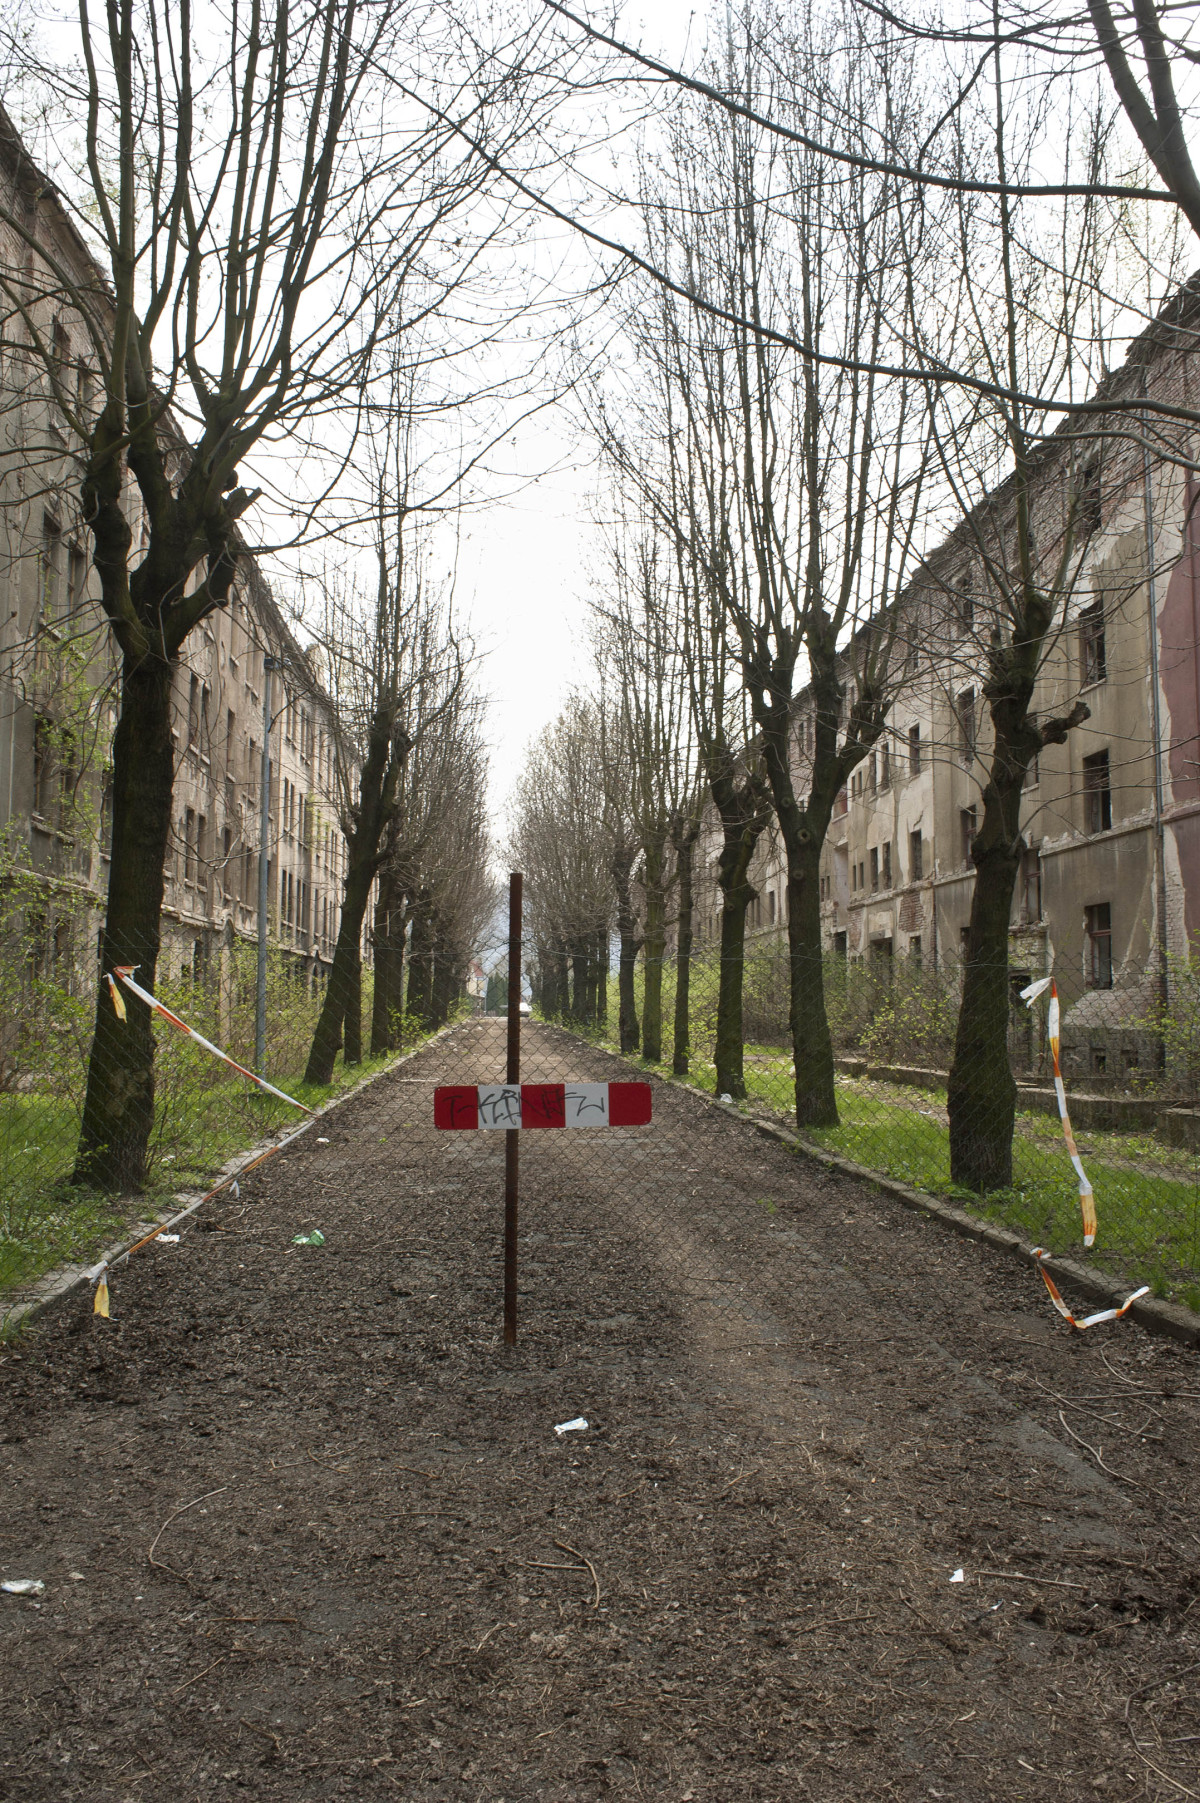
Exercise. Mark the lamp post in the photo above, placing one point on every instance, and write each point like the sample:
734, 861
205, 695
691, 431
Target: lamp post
270, 665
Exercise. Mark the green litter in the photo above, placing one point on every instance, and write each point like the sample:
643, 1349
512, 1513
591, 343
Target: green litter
315, 1238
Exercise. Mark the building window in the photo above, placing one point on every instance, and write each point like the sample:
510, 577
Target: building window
914, 948
964, 707
1087, 500
964, 607
914, 751
840, 944
770, 907
50, 571
886, 864
1097, 794
1098, 954
874, 867
193, 710
872, 778
916, 857
76, 579
1031, 889
885, 766
1093, 661
967, 827
189, 846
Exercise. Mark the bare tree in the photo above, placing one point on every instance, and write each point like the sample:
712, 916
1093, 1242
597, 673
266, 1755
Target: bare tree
254, 201
639, 645
395, 670
559, 842
798, 489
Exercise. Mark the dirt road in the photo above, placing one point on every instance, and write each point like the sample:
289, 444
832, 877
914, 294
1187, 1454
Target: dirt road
307, 1531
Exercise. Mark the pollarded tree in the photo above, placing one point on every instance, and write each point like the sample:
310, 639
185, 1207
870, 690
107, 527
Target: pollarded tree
647, 689
558, 841
794, 483
253, 195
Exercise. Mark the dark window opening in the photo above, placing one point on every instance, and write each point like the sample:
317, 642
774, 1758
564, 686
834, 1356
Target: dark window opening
1093, 660
1031, 889
965, 709
1098, 922
874, 867
886, 864
916, 857
1097, 793
914, 947
839, 944
967, 826
914, 751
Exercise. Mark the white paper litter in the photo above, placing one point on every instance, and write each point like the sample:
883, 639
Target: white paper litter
724, 1098
23, 1587
957, 1577
321, 1141
574, 1426
168, 1239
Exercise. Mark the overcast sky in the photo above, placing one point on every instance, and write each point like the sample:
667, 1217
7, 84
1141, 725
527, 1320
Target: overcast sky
523, 563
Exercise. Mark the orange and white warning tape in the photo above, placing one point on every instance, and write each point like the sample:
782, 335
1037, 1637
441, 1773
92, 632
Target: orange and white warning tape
1104, 1314
125, 973
1087, 1201
98, 1274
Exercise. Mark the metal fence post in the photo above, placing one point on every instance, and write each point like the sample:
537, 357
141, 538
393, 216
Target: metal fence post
512, 1138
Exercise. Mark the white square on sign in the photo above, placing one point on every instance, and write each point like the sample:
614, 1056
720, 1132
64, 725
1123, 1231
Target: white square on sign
586, 1104
500, 1105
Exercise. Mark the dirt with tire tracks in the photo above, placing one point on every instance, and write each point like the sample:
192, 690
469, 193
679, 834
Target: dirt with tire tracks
307, 1530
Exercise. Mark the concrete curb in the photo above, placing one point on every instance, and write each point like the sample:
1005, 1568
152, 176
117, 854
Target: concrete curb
54, 1286
1167, 1319
1164, 1318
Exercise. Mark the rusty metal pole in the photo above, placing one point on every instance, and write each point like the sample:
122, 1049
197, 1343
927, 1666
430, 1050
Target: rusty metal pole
512, 1137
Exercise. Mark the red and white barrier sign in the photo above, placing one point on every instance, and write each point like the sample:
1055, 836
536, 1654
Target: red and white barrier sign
530, 1105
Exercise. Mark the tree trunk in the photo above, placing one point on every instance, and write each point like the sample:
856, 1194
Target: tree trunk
342, 1007
442, 987
681, 1053
812, 1043
654, 949
628, 1030
420, 965
602, 970
579, 985
118, 1110
378, 783
982, 1092
742, 827
386, 1011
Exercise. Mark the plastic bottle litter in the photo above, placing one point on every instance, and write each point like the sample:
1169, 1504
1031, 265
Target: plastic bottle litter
23, 1587
574, 1426
315, 1238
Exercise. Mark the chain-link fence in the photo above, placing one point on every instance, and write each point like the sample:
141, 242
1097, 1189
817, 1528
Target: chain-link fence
1129, 1058
53, 1204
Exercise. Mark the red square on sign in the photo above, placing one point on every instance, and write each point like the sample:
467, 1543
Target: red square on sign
543, 1105
628, 1104
456, 1105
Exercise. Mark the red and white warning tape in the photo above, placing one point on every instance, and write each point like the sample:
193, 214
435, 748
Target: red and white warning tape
125, 973
1087, 1201
99, 1273
1104, 1314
